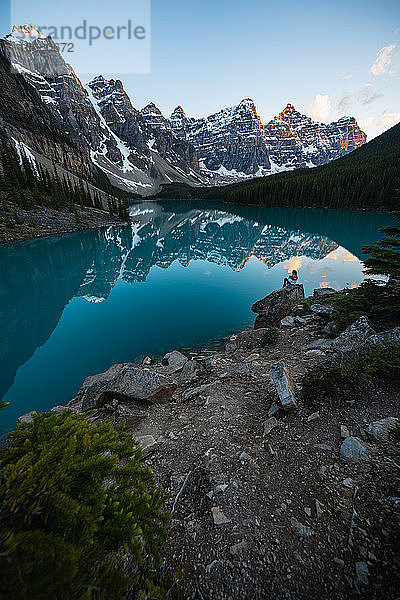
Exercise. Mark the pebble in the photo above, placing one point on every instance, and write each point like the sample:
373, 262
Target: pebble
269, 425
344, 432
218, 516
237, 548
313, 416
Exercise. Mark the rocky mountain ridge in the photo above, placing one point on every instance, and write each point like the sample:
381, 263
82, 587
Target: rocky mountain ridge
235, 140
140, 150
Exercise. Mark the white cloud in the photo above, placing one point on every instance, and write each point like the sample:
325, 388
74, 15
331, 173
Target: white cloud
374, 126
384, 121
349, 76
320, 107
366, 95
383, 60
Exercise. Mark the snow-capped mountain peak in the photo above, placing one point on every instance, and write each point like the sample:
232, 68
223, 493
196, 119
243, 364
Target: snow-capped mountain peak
26, 33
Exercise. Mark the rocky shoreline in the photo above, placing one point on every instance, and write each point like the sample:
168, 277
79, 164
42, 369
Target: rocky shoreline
44, 221
271, 496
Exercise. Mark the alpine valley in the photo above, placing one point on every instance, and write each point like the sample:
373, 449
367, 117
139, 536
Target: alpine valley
93, 132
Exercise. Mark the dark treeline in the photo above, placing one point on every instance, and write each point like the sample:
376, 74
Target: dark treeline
365, 178
29, 186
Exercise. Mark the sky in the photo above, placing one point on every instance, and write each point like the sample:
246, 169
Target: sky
328, 59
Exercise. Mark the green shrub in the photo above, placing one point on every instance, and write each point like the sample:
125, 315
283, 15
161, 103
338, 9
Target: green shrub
348, 379
77, 504
370, 299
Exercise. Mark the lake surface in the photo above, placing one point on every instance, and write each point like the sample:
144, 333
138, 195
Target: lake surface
184, 275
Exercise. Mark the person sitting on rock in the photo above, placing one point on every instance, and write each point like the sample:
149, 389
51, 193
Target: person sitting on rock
293, 277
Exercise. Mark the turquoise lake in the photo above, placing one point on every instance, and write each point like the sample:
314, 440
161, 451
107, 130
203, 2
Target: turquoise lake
184, 275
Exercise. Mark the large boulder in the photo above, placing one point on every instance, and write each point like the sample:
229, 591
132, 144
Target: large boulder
384, 340
278, 304
125, 382
321, 293
284, 385
354, 336
321, 310
175, 360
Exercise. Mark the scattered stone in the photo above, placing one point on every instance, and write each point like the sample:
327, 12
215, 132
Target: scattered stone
344, 432
191, 369
147, 361
384, 339
27, 417
318, 508
284, 385
315, 353
238, 548
197, 391
362, 573
324, 292
174, 359
218, 516
348, 482
269, 425
252, 357
330, 330
308, 511
242, 369
58, 410
380, 430
352, 450
247, 340
273, 409
128, 415
279, 303
304, 320
288, 321
354, 335
221, 487
301, 530
321, 309
244, 456
338, 561
323, 446
147, 443
319, 344
313, 416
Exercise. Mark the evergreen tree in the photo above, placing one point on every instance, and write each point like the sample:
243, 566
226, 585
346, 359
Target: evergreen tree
75, 498
385, 254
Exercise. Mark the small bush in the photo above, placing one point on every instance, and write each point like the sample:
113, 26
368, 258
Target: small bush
77, 504
338, 382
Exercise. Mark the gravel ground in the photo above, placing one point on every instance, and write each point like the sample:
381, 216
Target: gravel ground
261, 512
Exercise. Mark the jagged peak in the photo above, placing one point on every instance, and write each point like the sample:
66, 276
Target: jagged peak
27, 33
100, 82
151, 108
178, 111
247, 102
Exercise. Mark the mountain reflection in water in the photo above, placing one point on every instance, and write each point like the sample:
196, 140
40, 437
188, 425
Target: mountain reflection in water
181, 275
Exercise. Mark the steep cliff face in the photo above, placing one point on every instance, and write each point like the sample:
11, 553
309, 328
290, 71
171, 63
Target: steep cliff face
230, 140
144, 132
234, 141
113, 135
295, 140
